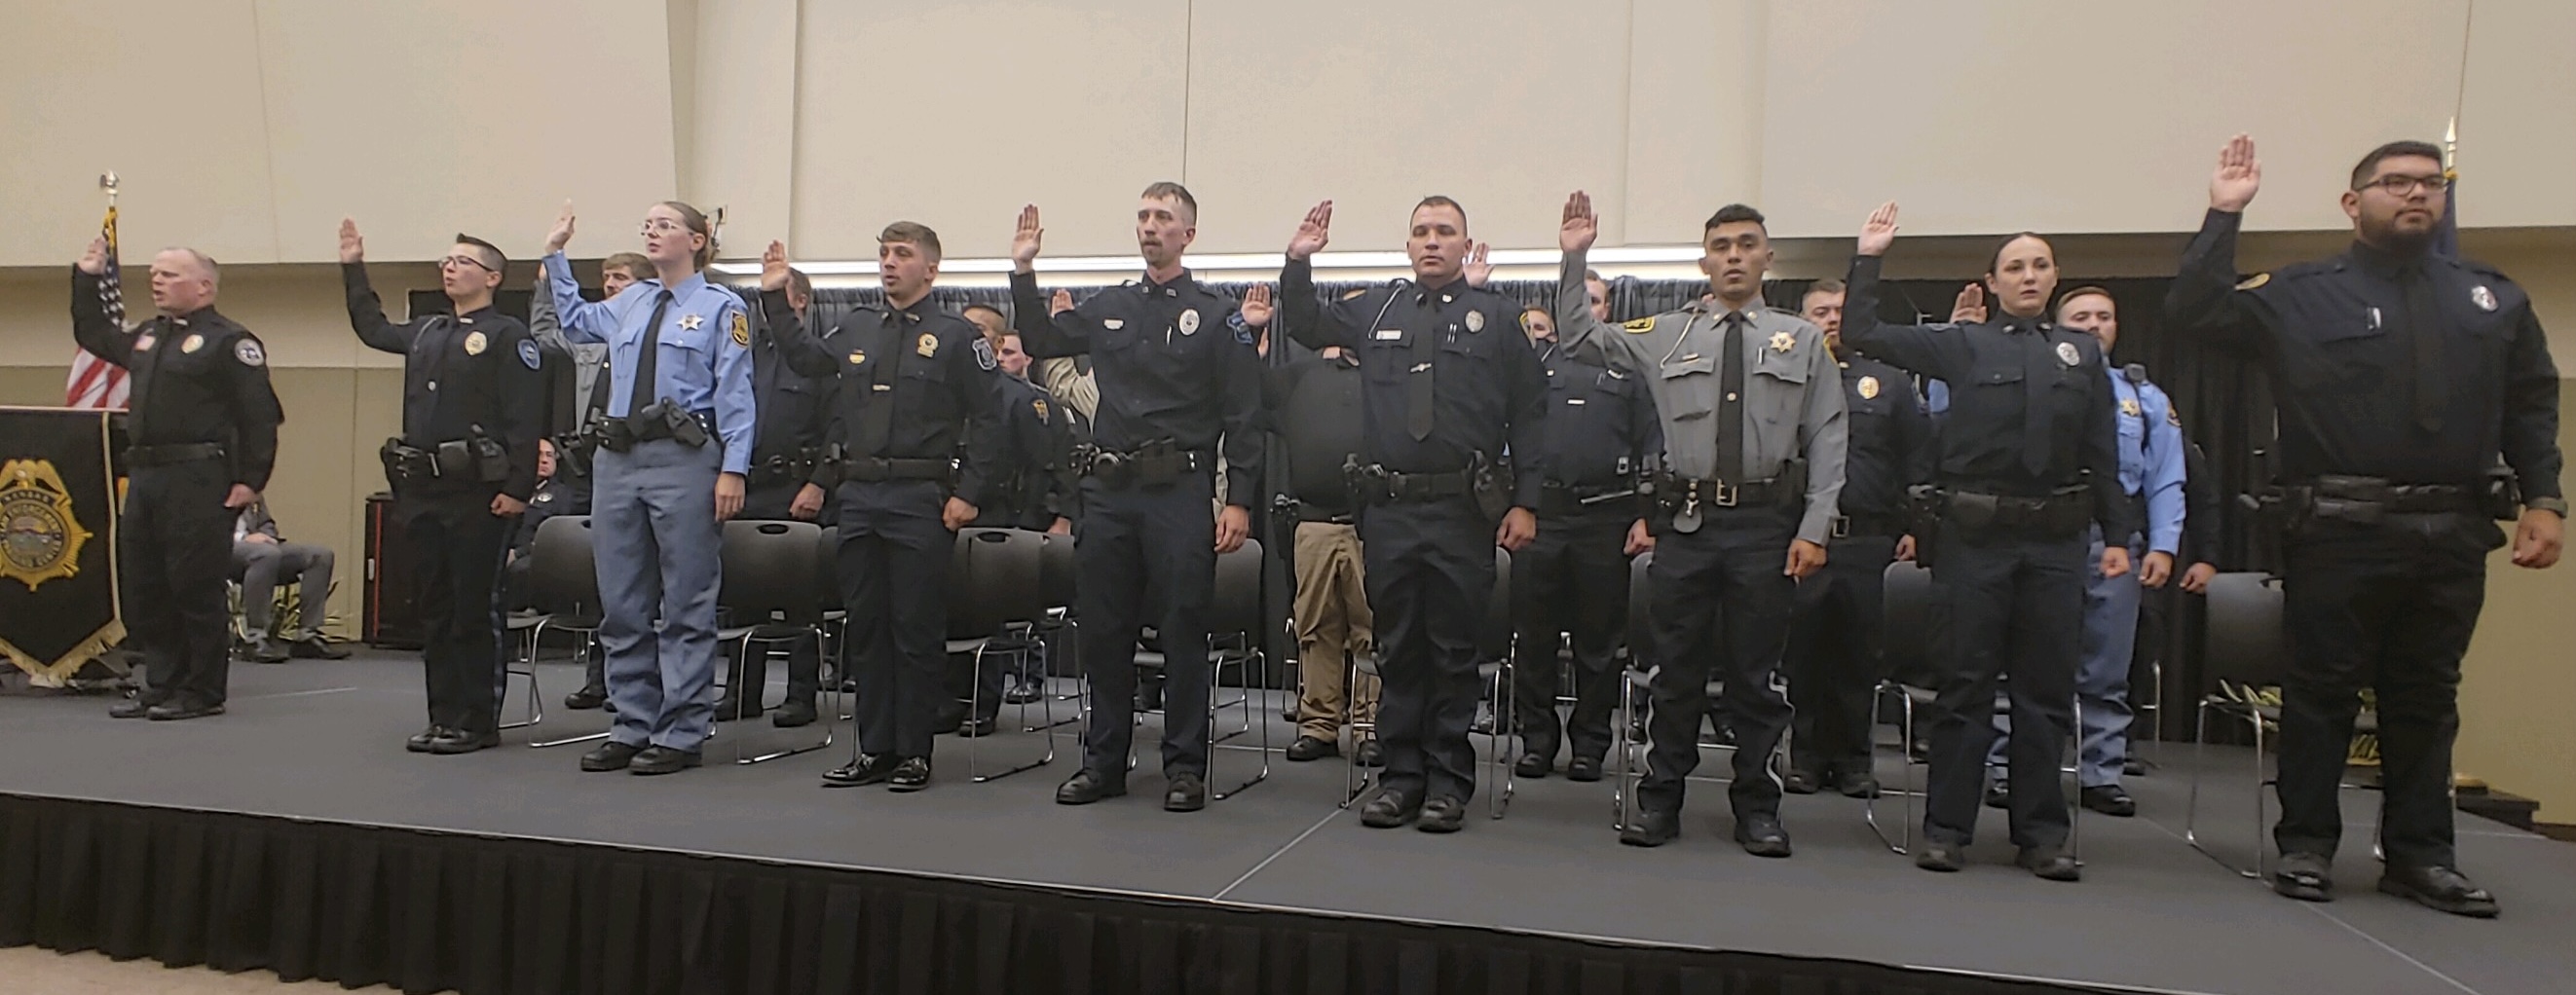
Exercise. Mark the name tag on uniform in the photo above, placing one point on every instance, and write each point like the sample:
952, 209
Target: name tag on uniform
1573, 401
1389, 334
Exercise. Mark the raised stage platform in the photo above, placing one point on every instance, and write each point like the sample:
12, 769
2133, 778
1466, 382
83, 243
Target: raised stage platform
295, 835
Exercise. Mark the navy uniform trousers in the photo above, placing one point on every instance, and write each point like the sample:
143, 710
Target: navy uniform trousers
1429, 570
1161, 536
2015, 607
1721, 598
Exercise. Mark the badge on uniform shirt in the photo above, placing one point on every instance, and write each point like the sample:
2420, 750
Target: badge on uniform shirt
144, 342
1475, 321
1038, 404
246, 350
1640, 325
983, 352
1190, 321
2482, 297
1781, 341
1113, 324
691, 322
858, 356
742, 329
192, 343
928, 347
474, 343
2129, 407
528, 353
1868, 388
2066, 354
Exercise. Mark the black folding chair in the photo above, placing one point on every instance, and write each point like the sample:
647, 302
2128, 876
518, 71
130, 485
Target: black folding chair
996, 595
563, 586
767, 595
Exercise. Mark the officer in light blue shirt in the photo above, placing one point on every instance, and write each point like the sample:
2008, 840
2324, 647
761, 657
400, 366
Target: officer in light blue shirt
2151, 474
674, 447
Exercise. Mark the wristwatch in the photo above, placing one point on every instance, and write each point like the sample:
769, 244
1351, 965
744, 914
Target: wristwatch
2557, 506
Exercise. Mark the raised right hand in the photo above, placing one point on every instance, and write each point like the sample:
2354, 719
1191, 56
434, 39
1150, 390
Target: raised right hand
1879, 231
353, 249
1025, 241
1312, 233
773, 267
1062, 303
94, 261
561, 234
2238, 176
1581, 227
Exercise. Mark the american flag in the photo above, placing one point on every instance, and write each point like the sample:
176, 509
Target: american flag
95, 382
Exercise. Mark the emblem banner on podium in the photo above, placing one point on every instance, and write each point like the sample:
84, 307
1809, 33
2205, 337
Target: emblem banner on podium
58, 504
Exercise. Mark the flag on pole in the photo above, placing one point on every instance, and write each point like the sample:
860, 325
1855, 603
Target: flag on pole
2446, 235
95, 382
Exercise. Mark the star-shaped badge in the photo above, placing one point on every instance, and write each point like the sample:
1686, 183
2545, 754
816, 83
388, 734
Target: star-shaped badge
691, 322
1781, 341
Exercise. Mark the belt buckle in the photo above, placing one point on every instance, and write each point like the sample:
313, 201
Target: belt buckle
1726, 496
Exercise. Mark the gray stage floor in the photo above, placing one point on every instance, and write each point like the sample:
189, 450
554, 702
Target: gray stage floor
323, 741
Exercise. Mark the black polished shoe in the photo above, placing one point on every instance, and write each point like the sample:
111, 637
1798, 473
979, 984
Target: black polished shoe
2109, 800
912, 774
1444, 814
608, 756
586, 699
1024, 693
269, 650
1085, 787
981, 726
2439, 888
455, 741
1585, 769
1535, 765
796, 712
177, 711
1940, 857
1857, 783
130, 708
2307, 877
1391, 808
2049, 863
1370, 754
869, 768
1187, 794
1798, 782
663, 760
1999, 796
1312, 748
1761, 835
314, 647
1651, 827
419, 741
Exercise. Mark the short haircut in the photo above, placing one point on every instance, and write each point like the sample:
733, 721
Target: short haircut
1594, 275
996, 312
492, 255
632, 262
800, 283
1998, 257
2369, 164
214, 274
914, 233
1439, 200
1828, 285
1174, 191
1732, 213
696, 221
2087, 290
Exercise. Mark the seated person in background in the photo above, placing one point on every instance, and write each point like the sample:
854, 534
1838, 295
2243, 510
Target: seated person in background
259, 557
553, 496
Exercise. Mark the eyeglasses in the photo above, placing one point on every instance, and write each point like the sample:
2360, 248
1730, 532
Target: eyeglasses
460, 262
663, 226
2404, 186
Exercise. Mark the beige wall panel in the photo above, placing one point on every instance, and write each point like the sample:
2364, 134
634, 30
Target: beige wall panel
953, 115
2515, 683
739, 147
1918, 102
1694, 111
1503, 104
164, 92
33, 386
424, 119
2517, 119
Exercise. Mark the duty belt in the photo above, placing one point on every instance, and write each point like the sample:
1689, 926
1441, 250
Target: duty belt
2061, 512
1556, 498
1869, 524
1688, 499
781, 467
2366, 500
1151, 464
1375, 483
172, 453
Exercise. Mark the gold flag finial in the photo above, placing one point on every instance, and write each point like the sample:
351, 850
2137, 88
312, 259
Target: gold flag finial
107, 182
2451, 145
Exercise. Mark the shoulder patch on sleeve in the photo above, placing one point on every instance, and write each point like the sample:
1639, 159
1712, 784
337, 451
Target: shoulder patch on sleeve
2255, 281
1354, 292
1639, 325
528, 353
248, 351
983, 348
741, 328
2173, 415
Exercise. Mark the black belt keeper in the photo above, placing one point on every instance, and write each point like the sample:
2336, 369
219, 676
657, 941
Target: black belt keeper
173, 453
1881, 524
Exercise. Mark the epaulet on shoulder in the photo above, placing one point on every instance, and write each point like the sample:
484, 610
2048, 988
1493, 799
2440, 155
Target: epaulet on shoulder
2479, 267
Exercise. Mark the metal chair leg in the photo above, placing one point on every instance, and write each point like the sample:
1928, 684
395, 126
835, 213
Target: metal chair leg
1506, 751
580, 655
536, 695
823, 743
974, 744
1869, 806
1242, 673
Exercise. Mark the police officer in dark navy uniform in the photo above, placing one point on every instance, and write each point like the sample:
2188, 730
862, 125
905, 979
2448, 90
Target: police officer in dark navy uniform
1599, 440
1836, 632
913, 436
1178, 375
1041, 492
203, 420
2029, 456
553, 496
461, 471
1450, 382
2417, 401
787, 484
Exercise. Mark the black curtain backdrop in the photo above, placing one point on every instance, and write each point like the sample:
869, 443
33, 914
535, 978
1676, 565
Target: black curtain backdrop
426, 912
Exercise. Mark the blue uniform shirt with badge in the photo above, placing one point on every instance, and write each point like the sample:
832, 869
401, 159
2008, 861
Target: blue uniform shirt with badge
2151, 455
705, 361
